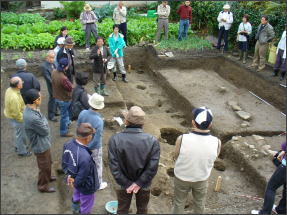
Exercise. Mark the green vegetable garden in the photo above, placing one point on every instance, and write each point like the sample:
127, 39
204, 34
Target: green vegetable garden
29, 31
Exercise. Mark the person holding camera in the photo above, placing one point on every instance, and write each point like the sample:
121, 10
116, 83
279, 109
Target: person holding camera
277, 180
244, 31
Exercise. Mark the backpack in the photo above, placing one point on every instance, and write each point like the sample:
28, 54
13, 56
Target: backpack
76, 107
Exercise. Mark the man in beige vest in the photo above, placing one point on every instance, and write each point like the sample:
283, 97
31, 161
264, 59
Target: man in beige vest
193, 164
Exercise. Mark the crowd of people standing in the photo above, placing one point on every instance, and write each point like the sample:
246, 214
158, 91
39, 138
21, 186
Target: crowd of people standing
133, 155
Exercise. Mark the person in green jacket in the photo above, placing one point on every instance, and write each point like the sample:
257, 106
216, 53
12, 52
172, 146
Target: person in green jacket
117, 44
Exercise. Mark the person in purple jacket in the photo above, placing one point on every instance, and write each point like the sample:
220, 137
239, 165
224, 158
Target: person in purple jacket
277, 180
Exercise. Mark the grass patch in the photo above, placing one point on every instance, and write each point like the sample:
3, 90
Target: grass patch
193, 42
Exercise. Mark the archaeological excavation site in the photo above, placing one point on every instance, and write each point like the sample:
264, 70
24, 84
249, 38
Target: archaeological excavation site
249, 118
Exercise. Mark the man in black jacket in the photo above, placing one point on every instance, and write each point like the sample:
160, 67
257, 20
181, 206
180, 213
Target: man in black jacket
29, 80
68, 52
101, 56
133, 160
47, 67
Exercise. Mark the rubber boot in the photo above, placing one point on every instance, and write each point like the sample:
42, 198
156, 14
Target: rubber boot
98, 90
124, 79
282, 76
103, 91
275, 72
115, 76
240, 55
244, 57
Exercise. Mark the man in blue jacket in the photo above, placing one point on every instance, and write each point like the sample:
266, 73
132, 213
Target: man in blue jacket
117, 44
80, 167
93, 117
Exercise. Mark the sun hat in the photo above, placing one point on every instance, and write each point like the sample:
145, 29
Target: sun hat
134, 115
21, 63
69, 41
96, 101
202, 117
61, 41
87, 7
226, 6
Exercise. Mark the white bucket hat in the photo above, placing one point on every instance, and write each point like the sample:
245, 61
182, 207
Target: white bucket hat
111, 64
61, 41
226, 6
87, 7
96, 101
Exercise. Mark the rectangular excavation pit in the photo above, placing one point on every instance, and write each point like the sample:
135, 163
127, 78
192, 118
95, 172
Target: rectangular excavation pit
175, 107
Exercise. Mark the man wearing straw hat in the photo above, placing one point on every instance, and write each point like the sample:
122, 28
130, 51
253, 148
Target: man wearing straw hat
133, 160
225, 19
93, 117
88, 19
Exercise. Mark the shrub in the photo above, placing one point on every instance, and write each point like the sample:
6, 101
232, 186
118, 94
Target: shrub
59, 13
73, 9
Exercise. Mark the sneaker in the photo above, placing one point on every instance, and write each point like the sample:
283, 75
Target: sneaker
87, 49
27, 154
114, 78
254, 212
103, 185
274, 210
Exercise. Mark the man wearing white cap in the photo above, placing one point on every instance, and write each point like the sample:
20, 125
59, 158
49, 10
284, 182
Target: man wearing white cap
225, 19
195, 154
93, 117
133, 161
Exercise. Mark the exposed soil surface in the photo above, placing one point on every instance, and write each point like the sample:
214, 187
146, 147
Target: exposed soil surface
166, 89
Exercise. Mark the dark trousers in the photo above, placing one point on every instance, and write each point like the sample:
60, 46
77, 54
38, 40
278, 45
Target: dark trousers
243, 46
280, 63
123, 30
277, 180
52, 106
124, 199
223, 33
69, 74
44, 162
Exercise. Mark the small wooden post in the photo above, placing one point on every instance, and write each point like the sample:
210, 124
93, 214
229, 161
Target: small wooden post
218, 184
129, 68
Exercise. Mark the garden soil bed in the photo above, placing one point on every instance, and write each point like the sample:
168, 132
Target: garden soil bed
167, 89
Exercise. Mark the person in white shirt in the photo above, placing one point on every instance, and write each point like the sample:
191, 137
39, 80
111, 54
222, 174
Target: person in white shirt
60, 44
244, 31
163, 11
225, 19
281, 58
120, 18
195, 154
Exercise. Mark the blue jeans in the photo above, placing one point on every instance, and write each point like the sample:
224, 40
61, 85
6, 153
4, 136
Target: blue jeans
183, 29
223, 33
277, 180
65, 116
20, 134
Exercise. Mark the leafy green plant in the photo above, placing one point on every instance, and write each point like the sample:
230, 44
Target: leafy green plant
192, 42
22, 18
105, 11
8, 29
73, 9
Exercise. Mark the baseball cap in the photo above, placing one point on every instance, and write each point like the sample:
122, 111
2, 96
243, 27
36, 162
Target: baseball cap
202, 117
